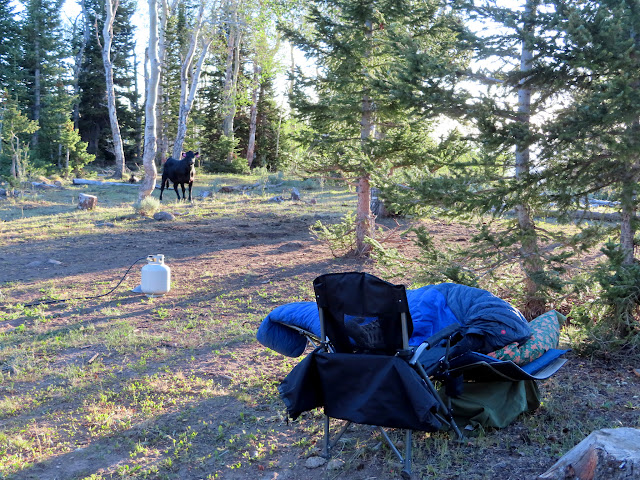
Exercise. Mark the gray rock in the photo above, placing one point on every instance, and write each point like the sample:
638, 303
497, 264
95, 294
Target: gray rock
295, 194
164, 216
315, 462
335, 464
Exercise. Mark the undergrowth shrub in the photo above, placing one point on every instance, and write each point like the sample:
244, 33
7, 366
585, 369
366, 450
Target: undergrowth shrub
340, 237
610, 317
147, 206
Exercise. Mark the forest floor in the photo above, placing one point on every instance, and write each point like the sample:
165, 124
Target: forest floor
177, 387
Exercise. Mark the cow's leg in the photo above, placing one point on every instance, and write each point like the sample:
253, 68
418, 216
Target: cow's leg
190, 186
162, 186
184, 197
175, 187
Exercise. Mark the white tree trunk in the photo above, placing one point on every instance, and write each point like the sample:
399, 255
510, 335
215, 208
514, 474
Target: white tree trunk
161, 140
78, 63
150, 148
189, 78
251, 147
107, 35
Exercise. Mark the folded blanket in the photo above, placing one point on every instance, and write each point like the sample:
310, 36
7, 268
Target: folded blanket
432, 308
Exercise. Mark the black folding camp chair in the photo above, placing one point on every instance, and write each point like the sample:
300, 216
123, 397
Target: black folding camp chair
364, 371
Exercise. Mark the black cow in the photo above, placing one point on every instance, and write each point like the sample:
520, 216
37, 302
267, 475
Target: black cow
179, 172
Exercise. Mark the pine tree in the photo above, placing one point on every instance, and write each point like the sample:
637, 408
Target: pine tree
358, 125
9, 47
43, 49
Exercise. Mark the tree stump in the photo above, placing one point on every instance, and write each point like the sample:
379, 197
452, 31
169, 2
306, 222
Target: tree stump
607, 454
87, 202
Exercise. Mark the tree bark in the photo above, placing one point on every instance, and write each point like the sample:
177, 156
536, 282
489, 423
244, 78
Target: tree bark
254, 113
529, 248
227, 92
150, 148
107, 34
628, 214
78, 64
365, 221
37, 90
161, 138
189, 78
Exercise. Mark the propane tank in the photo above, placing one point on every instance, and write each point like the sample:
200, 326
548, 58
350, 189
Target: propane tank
156, 276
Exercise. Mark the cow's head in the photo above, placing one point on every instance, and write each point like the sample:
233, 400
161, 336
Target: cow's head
190, 156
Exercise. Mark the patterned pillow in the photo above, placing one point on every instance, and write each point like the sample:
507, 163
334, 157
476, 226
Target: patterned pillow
545, 336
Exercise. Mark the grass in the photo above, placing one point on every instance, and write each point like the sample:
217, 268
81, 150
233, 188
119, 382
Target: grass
126, 386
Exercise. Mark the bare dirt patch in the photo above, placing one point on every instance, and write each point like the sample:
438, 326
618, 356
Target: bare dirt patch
123, 386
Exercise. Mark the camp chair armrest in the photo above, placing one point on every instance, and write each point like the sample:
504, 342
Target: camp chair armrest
418, 351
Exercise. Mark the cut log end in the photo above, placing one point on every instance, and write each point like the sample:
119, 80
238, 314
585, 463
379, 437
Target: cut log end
87, 202
607, 454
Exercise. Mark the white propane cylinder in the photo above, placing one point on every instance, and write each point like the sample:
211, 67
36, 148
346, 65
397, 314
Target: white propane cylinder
156, 276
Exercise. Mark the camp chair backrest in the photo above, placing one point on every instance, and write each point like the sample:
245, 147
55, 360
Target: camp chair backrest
362, 313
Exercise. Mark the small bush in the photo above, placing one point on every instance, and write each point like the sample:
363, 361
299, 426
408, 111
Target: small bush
147, 206
611, 317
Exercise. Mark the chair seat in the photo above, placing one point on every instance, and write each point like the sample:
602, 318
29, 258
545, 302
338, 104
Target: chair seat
368, 389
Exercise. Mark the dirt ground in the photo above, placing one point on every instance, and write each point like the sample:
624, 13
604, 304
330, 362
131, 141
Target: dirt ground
229, 270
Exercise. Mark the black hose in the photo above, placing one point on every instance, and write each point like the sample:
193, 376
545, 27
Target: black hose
49, 302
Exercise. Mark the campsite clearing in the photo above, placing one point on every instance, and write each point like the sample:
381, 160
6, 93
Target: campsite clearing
176, 387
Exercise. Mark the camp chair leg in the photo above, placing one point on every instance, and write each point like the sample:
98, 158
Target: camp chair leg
443, 406
406, 459
328, 444
406, 471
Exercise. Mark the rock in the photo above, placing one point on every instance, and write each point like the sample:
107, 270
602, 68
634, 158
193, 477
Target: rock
295, 194
206, 194
277, 199
54, 262
3, 192
87, 202
163, 216
312, 201
315, 462
607, 454
35, 263
335, 464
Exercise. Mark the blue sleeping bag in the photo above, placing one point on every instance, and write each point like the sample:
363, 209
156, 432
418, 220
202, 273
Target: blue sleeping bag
432, 308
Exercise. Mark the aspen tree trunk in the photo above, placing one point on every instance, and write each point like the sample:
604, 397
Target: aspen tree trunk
161, 138
365, 221
231, 78
150, 148
107, 34
78, 64
227, 92
529, 248
138, 110
189, 78
254, 113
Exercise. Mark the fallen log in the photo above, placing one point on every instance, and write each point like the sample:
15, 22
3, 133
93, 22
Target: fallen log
100, 183
84, 181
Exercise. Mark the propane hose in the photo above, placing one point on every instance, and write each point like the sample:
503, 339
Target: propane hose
50, 302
